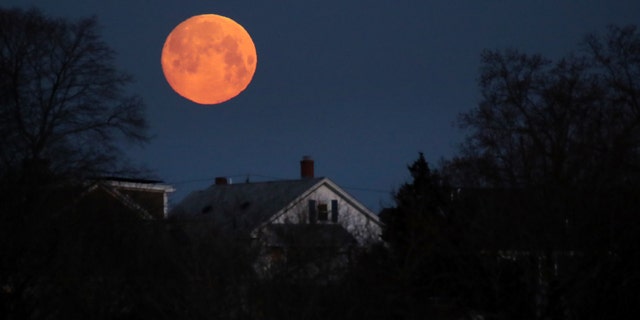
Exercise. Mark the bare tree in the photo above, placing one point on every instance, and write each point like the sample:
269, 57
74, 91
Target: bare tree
555, 148
573, 121
615, 58
63, 104
63, 110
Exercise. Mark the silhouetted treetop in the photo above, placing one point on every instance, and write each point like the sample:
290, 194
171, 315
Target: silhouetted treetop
62, 101
574, 121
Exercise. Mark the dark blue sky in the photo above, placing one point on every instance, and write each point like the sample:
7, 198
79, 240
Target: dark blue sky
361, 86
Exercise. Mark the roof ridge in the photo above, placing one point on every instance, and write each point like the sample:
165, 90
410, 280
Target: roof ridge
271, 181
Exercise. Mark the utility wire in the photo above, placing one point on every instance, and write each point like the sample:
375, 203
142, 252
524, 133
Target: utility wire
249, 175
366, 189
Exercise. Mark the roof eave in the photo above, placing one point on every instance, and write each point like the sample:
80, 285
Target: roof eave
326, 181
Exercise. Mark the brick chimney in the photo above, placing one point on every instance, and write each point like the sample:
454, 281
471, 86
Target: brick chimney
306, 168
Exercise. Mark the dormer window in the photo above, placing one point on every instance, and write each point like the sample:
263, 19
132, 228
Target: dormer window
320, 211
313, 212
334, 211
323, 212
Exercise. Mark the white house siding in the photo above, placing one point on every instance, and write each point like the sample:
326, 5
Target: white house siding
357, 220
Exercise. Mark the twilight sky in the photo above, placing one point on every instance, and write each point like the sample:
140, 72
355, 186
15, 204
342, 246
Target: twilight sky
361, 86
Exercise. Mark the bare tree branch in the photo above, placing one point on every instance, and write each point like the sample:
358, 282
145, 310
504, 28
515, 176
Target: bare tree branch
61, 93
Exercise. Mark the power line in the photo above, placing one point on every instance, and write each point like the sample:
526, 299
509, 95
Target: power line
242, 175
249, 175
366, 189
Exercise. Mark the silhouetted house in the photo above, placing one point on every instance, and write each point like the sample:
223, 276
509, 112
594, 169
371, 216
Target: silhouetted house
150, 197
145, 199
305, 219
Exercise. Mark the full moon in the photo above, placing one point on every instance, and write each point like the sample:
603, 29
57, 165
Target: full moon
209, 59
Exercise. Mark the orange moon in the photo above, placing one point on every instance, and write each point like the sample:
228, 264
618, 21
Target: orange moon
209, 59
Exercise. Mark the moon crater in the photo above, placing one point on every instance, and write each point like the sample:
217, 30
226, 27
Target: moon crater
209, 59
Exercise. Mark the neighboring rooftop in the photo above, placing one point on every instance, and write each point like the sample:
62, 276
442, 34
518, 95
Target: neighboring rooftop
243, 206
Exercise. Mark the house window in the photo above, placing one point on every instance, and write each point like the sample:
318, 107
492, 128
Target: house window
334, 210
313, 215
319, 211
323, 212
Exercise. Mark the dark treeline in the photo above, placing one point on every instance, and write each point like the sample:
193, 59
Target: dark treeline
535, 218
449, 253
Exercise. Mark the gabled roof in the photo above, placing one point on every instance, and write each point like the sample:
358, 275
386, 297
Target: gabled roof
86, 196
126, 201
335, 188
137, 184
247, 206
71, 194
242, 206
